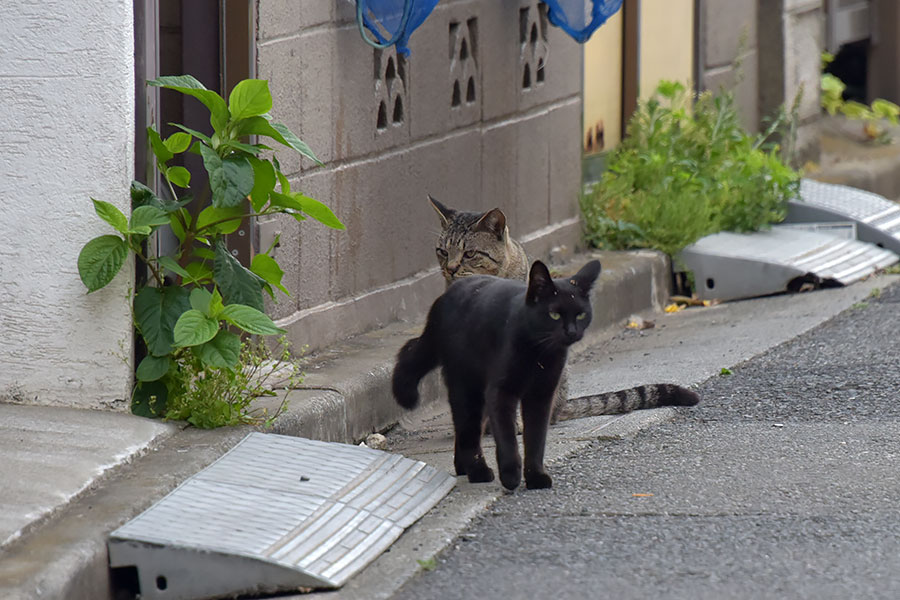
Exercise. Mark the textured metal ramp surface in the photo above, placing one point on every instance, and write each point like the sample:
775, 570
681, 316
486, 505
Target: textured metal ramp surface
877, 218
276, 513
728, 266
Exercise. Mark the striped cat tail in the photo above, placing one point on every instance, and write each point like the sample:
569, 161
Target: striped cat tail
623, 401
416, 358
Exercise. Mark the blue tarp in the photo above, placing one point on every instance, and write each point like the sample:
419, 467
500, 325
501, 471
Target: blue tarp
393, 21
573, 17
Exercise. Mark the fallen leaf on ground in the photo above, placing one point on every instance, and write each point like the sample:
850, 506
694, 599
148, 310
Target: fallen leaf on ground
636, 322
641, 495
674, 307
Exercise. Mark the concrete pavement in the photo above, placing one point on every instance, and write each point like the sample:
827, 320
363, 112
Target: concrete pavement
688, 347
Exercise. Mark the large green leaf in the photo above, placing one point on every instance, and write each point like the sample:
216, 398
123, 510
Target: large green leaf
111, 215
156, 310
186, 84
250, 320
162, 153
179, 176
199, 272
200, 300
223, 351
211, 214
169, 263
143, 218
267, 267
250, 98
141, 195
194, 328
235, 282
309, 206
278, 132
231, 178
263, 182
100, 260
152, 368
178, 142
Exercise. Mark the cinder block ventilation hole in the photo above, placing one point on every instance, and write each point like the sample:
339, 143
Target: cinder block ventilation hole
382, 116
454, 34
390, 72
398, 110
523, 25
463, 62
533, 25
710, 283
390, 88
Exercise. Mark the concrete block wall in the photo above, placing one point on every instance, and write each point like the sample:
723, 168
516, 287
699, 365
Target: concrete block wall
486, 111
729, 53
791, 39
66, 135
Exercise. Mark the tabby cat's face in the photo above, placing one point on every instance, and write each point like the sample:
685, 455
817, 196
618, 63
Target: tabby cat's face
470, 243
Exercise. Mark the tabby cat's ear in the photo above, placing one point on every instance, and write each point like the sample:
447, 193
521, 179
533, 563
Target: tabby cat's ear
446, 214
586, 276
493, 221
540, 284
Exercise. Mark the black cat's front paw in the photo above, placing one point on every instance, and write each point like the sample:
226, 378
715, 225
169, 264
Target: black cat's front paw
538, 480
480, 473
511, 478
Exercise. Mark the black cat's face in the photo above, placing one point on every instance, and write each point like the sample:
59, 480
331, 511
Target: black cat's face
560, 309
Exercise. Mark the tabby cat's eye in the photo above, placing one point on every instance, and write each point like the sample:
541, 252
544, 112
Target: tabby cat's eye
469, 254
554, 315
441, 252
580, 316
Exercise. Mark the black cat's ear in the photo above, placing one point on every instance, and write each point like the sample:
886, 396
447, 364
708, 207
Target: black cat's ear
586, 276
540, 284
446, 214
493, 221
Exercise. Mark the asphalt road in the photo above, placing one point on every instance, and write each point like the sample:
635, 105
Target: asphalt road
783, 483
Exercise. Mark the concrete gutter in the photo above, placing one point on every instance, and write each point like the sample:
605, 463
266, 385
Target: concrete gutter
126, 463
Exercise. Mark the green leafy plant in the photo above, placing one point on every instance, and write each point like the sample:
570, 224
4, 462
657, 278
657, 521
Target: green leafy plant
872, 116
200, 301
687, 169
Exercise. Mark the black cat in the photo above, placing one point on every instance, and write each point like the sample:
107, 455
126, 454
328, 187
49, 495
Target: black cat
500, 342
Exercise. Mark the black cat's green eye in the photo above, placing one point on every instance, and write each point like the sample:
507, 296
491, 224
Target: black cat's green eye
554, 315
581, 316
469, 254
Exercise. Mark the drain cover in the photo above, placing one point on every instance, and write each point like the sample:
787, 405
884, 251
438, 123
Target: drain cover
728, 266
877, 219
276, 513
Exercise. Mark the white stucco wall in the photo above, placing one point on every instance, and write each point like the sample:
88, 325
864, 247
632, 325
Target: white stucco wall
66, 134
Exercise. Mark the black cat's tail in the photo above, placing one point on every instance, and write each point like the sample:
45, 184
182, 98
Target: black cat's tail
623, 401
416, 358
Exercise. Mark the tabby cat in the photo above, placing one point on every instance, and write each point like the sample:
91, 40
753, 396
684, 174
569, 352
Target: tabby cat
501, 343
473, 243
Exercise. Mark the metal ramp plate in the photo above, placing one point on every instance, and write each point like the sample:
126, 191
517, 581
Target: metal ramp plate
728, 266
877, 218
276, 513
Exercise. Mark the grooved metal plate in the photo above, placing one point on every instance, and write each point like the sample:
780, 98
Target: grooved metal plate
276, 513
728, 266
877, 218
